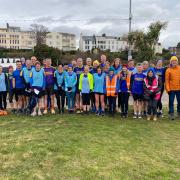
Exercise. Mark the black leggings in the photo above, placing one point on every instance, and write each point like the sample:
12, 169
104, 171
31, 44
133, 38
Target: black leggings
3, 103
152, 106
112, 104
119, 100
159, 103
92, 98
124, 98
60, 97
85, 99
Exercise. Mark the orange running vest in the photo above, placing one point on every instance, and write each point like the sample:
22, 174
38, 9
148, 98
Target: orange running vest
111, 86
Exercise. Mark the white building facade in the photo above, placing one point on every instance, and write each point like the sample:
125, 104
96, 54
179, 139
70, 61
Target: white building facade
61, 41
158, 48
114, 44
13, 38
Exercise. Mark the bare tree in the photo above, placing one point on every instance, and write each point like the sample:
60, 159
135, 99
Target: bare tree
40, 32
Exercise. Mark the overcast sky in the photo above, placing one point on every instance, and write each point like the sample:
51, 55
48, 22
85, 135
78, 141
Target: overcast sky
94, 16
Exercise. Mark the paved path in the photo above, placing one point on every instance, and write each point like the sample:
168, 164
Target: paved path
165, 100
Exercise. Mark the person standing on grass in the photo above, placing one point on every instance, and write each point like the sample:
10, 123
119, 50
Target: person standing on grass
23, 62
70, 87
19, 86
95, 66
89, 63
172, 84
106, 67
11, 91
49, 83
103, 60
137, 91
124, 84
59, 88
99, 91
160, 72
112, 90
145, 65
86, 88
131, 67
37, 84
74, 63
117, 66
3, 92
92, 96
152, 93
33, 61
25, 73
78, 70
106, 71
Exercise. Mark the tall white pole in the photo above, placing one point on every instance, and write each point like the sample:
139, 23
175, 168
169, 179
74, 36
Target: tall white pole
130, 21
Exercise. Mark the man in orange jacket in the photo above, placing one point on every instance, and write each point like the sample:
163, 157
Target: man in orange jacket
172, 84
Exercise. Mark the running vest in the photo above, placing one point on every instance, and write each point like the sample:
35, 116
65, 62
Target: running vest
111, 86
154, 87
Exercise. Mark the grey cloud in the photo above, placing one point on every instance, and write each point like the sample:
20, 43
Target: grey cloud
95, 16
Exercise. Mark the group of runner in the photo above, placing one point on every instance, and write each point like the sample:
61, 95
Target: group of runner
100, 87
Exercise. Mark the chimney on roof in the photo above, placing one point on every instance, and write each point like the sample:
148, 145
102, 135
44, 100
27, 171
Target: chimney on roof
104, 35
7, 25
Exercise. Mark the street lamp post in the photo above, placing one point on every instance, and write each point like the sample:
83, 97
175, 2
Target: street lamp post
130, 20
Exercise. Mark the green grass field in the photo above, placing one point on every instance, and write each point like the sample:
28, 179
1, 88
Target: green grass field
88, 147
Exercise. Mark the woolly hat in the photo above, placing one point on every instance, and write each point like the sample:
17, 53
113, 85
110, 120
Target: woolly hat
70, 66
173, 58
111, 69
125, 65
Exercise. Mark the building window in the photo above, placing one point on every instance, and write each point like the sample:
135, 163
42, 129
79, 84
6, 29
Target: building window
86, 42
87, 47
